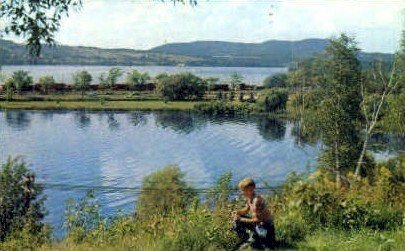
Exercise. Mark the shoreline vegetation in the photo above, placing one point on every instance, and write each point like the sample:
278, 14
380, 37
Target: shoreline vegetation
99, 106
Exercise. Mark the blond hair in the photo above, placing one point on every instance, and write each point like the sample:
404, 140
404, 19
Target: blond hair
246, 182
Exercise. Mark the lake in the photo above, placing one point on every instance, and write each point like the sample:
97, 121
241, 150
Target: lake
63, 73
73, 151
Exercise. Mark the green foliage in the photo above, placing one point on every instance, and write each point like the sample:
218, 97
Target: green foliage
21, 203
136, 78
219, 195
340, 109
212, 80
236, 79
393, 118
21, 80
82, 217
163, 192
224, 108
277, 80
46, 83
319, 202
272, 100
335, 240
81, 81
9, 85
112, 77
37, 21
181, 87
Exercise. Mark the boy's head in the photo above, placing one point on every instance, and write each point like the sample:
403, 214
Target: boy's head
247, 186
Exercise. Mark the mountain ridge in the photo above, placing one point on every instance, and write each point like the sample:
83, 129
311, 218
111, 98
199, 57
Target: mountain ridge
270, 53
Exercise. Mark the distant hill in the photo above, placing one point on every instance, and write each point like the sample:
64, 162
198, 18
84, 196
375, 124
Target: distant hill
269, 53
273, 53
15, 54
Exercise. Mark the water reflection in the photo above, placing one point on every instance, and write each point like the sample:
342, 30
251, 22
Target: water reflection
137, 118
271, 129
113, 123
390, 143
19, 120
305, 134
82, 119
181, 122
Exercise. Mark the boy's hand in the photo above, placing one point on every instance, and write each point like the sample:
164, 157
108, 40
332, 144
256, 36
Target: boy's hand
235, 216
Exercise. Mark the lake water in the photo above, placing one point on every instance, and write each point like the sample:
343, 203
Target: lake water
63, 73
74, 151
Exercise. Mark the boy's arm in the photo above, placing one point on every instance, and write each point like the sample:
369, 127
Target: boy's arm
242, 211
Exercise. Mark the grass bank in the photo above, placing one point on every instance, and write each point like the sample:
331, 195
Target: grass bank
99, 106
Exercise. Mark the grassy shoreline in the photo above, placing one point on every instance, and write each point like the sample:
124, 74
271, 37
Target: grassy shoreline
100, 106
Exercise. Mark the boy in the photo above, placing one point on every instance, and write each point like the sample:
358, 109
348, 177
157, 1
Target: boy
259, 222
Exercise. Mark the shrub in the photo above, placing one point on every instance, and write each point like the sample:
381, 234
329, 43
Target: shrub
21, 80
181, 87
276, 80
136, 78
163, 192
21, 203
82, 80
9, 85
224, 108
82, 217
46, 82
112, 77
272, 101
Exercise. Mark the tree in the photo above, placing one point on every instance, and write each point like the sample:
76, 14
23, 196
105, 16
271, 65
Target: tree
82, 80
277, 80
37, 21
21, 203
163, 192
236, 79
9, 85
21, 80
182, 86
112, 77
372, 107
46, 83
136, 78
212, 80
272, 100
339, 111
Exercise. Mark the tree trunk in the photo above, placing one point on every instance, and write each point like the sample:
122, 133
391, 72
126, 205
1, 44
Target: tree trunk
363, 152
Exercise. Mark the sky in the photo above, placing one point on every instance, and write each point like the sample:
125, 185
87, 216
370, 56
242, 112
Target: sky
144, 24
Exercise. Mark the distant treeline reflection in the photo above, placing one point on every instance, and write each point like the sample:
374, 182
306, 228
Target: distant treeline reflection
186, 122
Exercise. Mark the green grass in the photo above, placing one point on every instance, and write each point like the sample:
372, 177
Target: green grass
355, 240
98, 106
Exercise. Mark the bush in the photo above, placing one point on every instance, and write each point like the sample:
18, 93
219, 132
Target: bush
136, 78
181, 86
21, 80
320, 203
9, 85
82, 217
163, 192
277, 80
82, 80
272, 100
112, 77
224, 108
21, 204
46, 82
